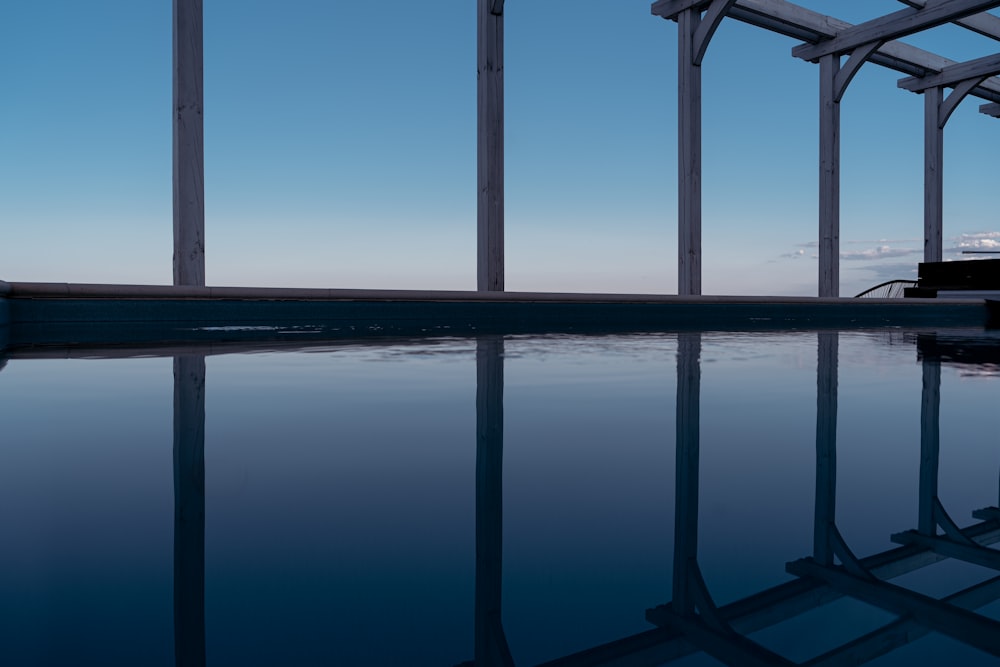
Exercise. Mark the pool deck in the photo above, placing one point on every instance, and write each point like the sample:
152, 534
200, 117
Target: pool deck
62, 313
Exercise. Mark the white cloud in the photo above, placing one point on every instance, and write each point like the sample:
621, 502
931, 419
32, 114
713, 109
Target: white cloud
975, 241
879, 252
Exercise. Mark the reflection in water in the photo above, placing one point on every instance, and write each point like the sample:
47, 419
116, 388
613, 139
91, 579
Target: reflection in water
692, 620
189, 510
490, 642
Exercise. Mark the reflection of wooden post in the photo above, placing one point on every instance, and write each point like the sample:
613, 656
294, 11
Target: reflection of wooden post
686, 493
930, 444
491, 644
189, 510
826, 447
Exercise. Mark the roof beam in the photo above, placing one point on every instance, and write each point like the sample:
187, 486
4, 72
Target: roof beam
671, 9
990, 109
892, 26
985, 24
791, 20
954, 74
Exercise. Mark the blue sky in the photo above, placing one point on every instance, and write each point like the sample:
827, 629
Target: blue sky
340, 148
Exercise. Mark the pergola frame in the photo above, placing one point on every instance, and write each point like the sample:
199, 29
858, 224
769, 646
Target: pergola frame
827, 41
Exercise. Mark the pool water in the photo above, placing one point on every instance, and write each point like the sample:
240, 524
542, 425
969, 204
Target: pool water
325, 504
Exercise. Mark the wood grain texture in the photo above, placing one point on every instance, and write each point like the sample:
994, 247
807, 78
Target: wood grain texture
490, 150
188, 144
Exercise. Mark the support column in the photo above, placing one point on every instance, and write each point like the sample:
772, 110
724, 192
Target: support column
688, 155
826, 447
933, 174
189, 510
189, 149
490, 239
688, 427
829, 177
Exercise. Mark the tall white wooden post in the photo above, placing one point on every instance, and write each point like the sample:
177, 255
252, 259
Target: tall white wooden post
490, 240
933, 175
189, 146
688, 155
829, 177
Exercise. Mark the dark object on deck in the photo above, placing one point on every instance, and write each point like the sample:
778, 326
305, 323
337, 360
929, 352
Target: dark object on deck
890, 289
982, 274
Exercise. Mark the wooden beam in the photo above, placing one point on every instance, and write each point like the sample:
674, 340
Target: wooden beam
799, 23
985, 24
671, 9
189, 145
893, 26
490, 148
954, 74
990, 109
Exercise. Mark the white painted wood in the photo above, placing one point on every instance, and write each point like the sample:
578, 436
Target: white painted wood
954, 74
933, 175
490, 130
688, 157
829, 178
893, 26
985, 24
188, 145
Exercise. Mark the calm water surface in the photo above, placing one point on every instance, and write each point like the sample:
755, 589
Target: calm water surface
325, 505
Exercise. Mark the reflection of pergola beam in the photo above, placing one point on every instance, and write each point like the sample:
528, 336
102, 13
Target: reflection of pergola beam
970, 553
904, 631
990, 109
893, 26
965, 626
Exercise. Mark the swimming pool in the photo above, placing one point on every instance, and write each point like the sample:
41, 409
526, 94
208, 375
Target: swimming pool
436, 500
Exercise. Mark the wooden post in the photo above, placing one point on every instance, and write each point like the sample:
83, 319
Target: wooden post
688, 156
490, 240
826, 447
189, 510
688, 443
189, 150
829, 177
933, 175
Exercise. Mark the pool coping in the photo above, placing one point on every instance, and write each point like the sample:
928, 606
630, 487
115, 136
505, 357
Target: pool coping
69, 313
